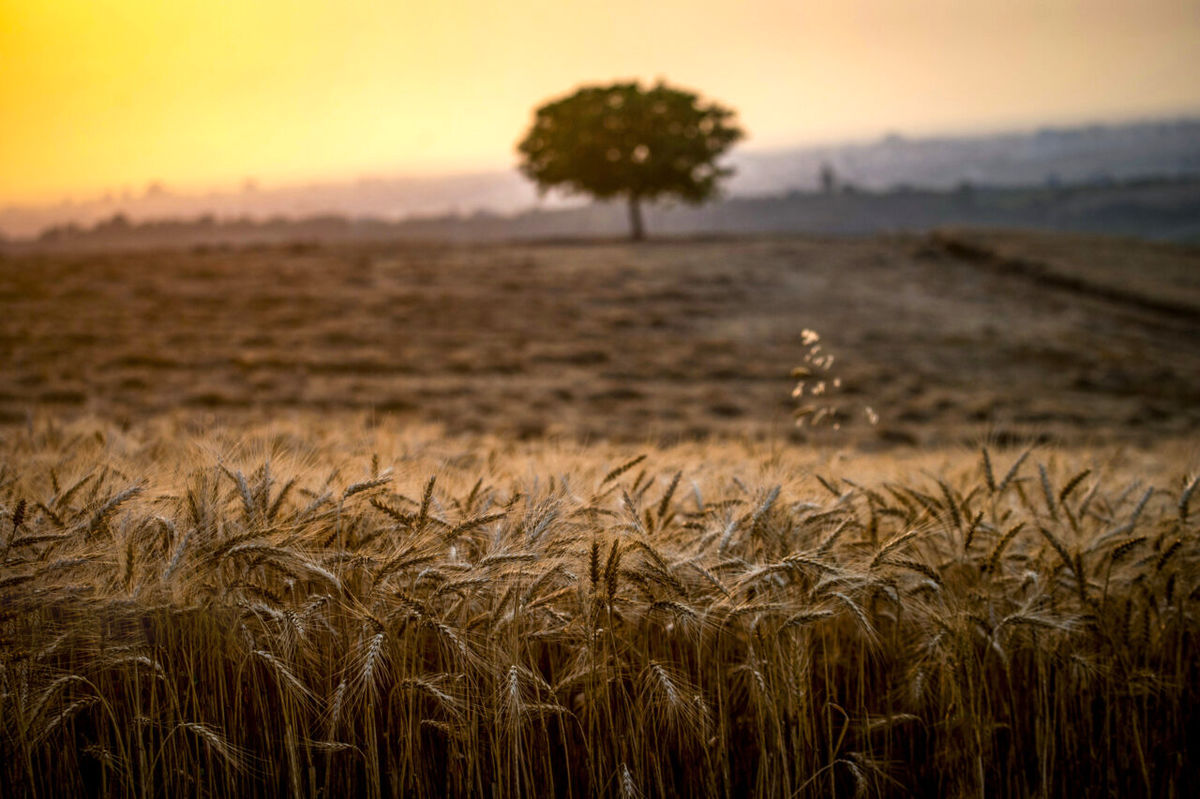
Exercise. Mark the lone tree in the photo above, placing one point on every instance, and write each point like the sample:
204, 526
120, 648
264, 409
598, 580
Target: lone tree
626, 141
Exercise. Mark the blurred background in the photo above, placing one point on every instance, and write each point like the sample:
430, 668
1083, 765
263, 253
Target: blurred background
229, 209
134, 110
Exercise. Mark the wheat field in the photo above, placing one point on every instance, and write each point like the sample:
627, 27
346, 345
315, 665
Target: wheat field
536, 520
350, 609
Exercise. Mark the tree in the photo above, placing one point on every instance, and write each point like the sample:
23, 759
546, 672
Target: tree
625, 141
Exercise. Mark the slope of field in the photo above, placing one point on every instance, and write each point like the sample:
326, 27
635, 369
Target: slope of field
946, 338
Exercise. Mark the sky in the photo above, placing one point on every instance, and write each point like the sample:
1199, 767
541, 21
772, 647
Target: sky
111, 95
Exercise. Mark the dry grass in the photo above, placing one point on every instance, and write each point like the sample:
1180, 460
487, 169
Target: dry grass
335, 609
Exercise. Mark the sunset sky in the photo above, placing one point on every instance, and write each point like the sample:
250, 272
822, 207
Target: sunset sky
100, 95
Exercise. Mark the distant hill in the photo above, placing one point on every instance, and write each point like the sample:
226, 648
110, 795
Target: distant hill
1092, 156
1159, 209
1047, 156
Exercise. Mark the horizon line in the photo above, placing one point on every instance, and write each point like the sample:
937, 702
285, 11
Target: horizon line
237, 186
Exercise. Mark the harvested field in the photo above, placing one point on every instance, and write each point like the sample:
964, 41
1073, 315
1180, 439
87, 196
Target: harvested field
671, 341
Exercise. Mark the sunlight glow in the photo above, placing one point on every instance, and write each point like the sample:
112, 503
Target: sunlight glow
108, 95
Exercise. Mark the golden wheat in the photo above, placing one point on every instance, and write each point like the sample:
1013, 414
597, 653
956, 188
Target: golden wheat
187, 621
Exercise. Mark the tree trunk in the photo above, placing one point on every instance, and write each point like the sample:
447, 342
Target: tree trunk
637, 230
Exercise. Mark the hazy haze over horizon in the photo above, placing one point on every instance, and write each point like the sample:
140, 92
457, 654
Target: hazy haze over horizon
102, 96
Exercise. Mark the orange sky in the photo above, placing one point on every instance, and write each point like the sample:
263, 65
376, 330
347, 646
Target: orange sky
110, 94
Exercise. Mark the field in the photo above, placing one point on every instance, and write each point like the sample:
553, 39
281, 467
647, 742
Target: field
536, 519
667, 342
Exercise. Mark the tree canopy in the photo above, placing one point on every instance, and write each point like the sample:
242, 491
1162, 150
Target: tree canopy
622, 140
